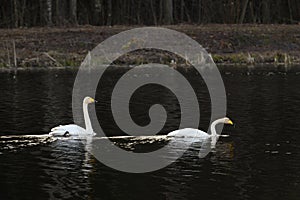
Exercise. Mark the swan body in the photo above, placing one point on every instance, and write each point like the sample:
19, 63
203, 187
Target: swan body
73, 129
67, 130
189, 133
198, 135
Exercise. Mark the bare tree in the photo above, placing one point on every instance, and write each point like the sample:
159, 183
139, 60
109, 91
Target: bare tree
266, 11
97, 11
199, 11
168, 11
73, 11
153, 12
60, 12
138, 12
109, 12
22, 13
181, 10
49, 12
290, 11
245, 5
45, 12
16, 14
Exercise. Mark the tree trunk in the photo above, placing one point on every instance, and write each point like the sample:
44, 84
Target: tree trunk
153, 12
181, 10
244, 11
109, 12
46, 12
168, 11
161, 11
187, 14
97, 12
61, 12
266, 11
22, 13
253, 14
16, 14
49, 12
290, 11
199, 11
73, 11
138, 13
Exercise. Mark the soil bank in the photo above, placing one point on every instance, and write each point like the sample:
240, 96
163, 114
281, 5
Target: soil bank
228, 44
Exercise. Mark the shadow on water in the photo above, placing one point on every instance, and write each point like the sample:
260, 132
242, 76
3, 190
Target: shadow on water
260, 159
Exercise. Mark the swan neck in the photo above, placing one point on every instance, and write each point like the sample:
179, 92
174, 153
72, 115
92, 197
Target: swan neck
213, 127
214, 135
87, 121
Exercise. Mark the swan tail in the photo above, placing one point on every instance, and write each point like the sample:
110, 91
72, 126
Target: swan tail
224, 135
60, 127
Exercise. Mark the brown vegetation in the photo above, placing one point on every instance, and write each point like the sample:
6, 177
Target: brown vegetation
45, 47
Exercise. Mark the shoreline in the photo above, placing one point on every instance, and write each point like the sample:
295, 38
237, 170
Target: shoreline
125, 67
248, 44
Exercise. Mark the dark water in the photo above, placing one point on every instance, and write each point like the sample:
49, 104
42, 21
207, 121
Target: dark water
260, 159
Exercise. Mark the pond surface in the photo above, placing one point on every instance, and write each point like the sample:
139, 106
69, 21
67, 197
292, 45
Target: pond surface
260, 159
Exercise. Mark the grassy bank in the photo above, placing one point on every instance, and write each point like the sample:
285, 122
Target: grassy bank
228, 44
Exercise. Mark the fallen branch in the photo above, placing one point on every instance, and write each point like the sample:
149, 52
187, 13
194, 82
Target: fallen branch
53, 59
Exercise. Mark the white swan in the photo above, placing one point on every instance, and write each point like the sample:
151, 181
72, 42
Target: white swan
208, 140
73, 129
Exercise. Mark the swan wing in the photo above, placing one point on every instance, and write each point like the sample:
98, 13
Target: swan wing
189, 133
70, 129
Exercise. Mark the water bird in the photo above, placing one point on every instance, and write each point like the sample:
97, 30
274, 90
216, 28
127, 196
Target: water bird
198, 135
73, 129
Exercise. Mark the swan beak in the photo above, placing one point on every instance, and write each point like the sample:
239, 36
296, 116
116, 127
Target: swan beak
230, 122
93, 100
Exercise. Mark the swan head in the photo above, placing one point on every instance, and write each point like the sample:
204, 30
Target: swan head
226, 120
88, 100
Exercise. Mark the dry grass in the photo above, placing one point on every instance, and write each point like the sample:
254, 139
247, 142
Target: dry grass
227, 43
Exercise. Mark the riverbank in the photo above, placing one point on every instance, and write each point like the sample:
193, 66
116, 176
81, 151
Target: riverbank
228, 44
